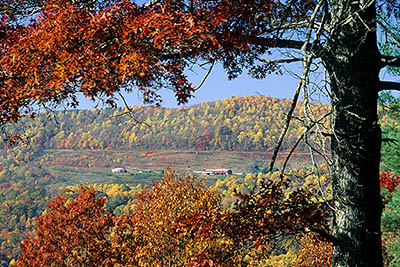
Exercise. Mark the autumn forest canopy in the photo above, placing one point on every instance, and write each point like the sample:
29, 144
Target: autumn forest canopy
238, 124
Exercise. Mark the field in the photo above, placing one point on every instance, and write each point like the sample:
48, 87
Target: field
90, 166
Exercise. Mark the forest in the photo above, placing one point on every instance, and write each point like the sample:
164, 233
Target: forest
251, 123
27, 186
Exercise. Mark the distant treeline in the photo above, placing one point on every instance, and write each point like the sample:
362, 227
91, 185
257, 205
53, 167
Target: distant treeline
238, 123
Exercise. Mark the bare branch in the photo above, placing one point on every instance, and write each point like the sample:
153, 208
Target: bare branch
277, 43
21, 10
306, 131
324, 234
283, 60
279, 25
205, 76
150, 3
386, 85
390, 61
302, 83
284, 17
130, 112
290, 153
390, 140
388, 31
286, 127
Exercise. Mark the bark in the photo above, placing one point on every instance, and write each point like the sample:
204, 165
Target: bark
352, 61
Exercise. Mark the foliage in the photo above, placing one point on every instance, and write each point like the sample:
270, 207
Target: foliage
121, 198
32, 174
157, 233
285, 249
229, 186
276, 251
391, 218
387, 44
389, 119
23, 196
250, 123
180, 222
71, 46
274, 212
389, 181
316, 182
313, 252
74, 232
305, 250
136, 51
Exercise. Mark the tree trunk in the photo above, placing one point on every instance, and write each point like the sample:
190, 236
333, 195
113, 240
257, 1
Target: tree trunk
353, 66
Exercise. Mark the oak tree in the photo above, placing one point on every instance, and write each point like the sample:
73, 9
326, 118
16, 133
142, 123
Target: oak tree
71, 233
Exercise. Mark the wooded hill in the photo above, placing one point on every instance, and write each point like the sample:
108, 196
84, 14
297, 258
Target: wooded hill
237, 123
26, 172
250, 123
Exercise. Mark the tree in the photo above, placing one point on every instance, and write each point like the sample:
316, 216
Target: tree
179, 222
166, 227
101, 47
71, 232
313, 252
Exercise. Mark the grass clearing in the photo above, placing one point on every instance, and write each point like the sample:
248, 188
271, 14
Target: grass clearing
94, 166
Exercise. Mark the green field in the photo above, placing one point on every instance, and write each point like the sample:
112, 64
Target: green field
91, 166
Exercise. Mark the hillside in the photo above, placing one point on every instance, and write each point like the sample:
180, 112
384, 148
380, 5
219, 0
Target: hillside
251, 123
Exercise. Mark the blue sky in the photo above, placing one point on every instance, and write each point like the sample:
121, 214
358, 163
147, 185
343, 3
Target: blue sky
217, 86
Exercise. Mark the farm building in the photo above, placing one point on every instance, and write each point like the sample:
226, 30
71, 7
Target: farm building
214, 172
118, 170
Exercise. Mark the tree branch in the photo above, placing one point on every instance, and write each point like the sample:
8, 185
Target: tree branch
205, 76
386, 85
388, 31
283, 60
390, 61
297, 25
324, 234
131, 112
277, 43
307, 57
150, 3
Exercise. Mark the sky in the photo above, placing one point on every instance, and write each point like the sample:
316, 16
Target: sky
217, 86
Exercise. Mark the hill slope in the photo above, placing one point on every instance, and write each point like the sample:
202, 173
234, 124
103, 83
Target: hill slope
251, 123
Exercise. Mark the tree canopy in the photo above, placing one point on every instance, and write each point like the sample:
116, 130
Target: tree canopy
179, 222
